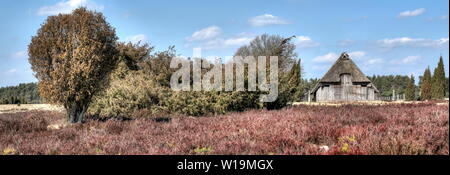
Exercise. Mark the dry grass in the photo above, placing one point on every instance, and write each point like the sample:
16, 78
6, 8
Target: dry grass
29, 107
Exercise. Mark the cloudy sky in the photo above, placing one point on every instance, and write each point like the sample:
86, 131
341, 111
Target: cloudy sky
383, 36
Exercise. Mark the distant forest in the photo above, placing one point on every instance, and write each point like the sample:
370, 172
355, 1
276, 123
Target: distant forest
387, 83
29, 94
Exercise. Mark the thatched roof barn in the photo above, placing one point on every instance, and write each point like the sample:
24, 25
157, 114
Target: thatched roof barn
344, 82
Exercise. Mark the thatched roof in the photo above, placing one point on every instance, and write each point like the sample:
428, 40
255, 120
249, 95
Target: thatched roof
344, 65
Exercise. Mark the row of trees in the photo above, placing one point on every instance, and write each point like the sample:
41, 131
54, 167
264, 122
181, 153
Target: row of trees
430, 87
21, 94
386, 84
434, 86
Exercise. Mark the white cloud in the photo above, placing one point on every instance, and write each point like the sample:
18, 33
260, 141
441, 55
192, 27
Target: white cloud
20, 55
412, 42
412, 13
374, 61
407, 60
346, 42
210, 39
331, 57
136, 38
11, 71
266, 20
327, 58
443, 41
65, 7
238, 41
221, 43
410, 59
212, 44
321, 67
443, 17
206, 33
357, 54
305, 42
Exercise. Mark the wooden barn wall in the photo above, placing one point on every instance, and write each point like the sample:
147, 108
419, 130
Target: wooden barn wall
345, 93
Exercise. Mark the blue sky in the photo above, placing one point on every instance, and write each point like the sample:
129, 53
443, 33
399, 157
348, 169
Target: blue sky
382, 36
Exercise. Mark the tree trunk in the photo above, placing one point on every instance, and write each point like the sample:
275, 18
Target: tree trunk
75, 113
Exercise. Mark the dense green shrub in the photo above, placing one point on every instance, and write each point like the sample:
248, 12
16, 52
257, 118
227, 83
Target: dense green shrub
135, 91
203, 103
140, 86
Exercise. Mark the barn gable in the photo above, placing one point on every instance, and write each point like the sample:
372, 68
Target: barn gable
344, 65
344, 82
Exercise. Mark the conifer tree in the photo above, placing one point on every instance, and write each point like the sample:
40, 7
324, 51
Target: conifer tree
425, 88
411, 90
438, 85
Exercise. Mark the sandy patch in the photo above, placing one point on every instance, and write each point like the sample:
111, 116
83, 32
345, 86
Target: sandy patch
29, 107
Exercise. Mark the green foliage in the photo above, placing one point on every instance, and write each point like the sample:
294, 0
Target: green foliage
191, 103
205, 103
290, 85
135, 91
71, 55
158, 65
425, 85
23, 93
446, 87
387, 83
309, 84
411, 90
146, 91
130, 89
295, 84
271, 45
291, 88
439, 81
141, 84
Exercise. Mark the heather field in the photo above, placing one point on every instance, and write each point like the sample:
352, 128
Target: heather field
395, 129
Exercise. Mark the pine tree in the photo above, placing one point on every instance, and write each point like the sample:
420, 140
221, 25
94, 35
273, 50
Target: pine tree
411, 90
294, 82
425, 88
438, 84
446, 87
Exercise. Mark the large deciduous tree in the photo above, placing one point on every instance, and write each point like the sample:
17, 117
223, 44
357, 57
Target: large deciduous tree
72, 56
289, 70
271, 45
